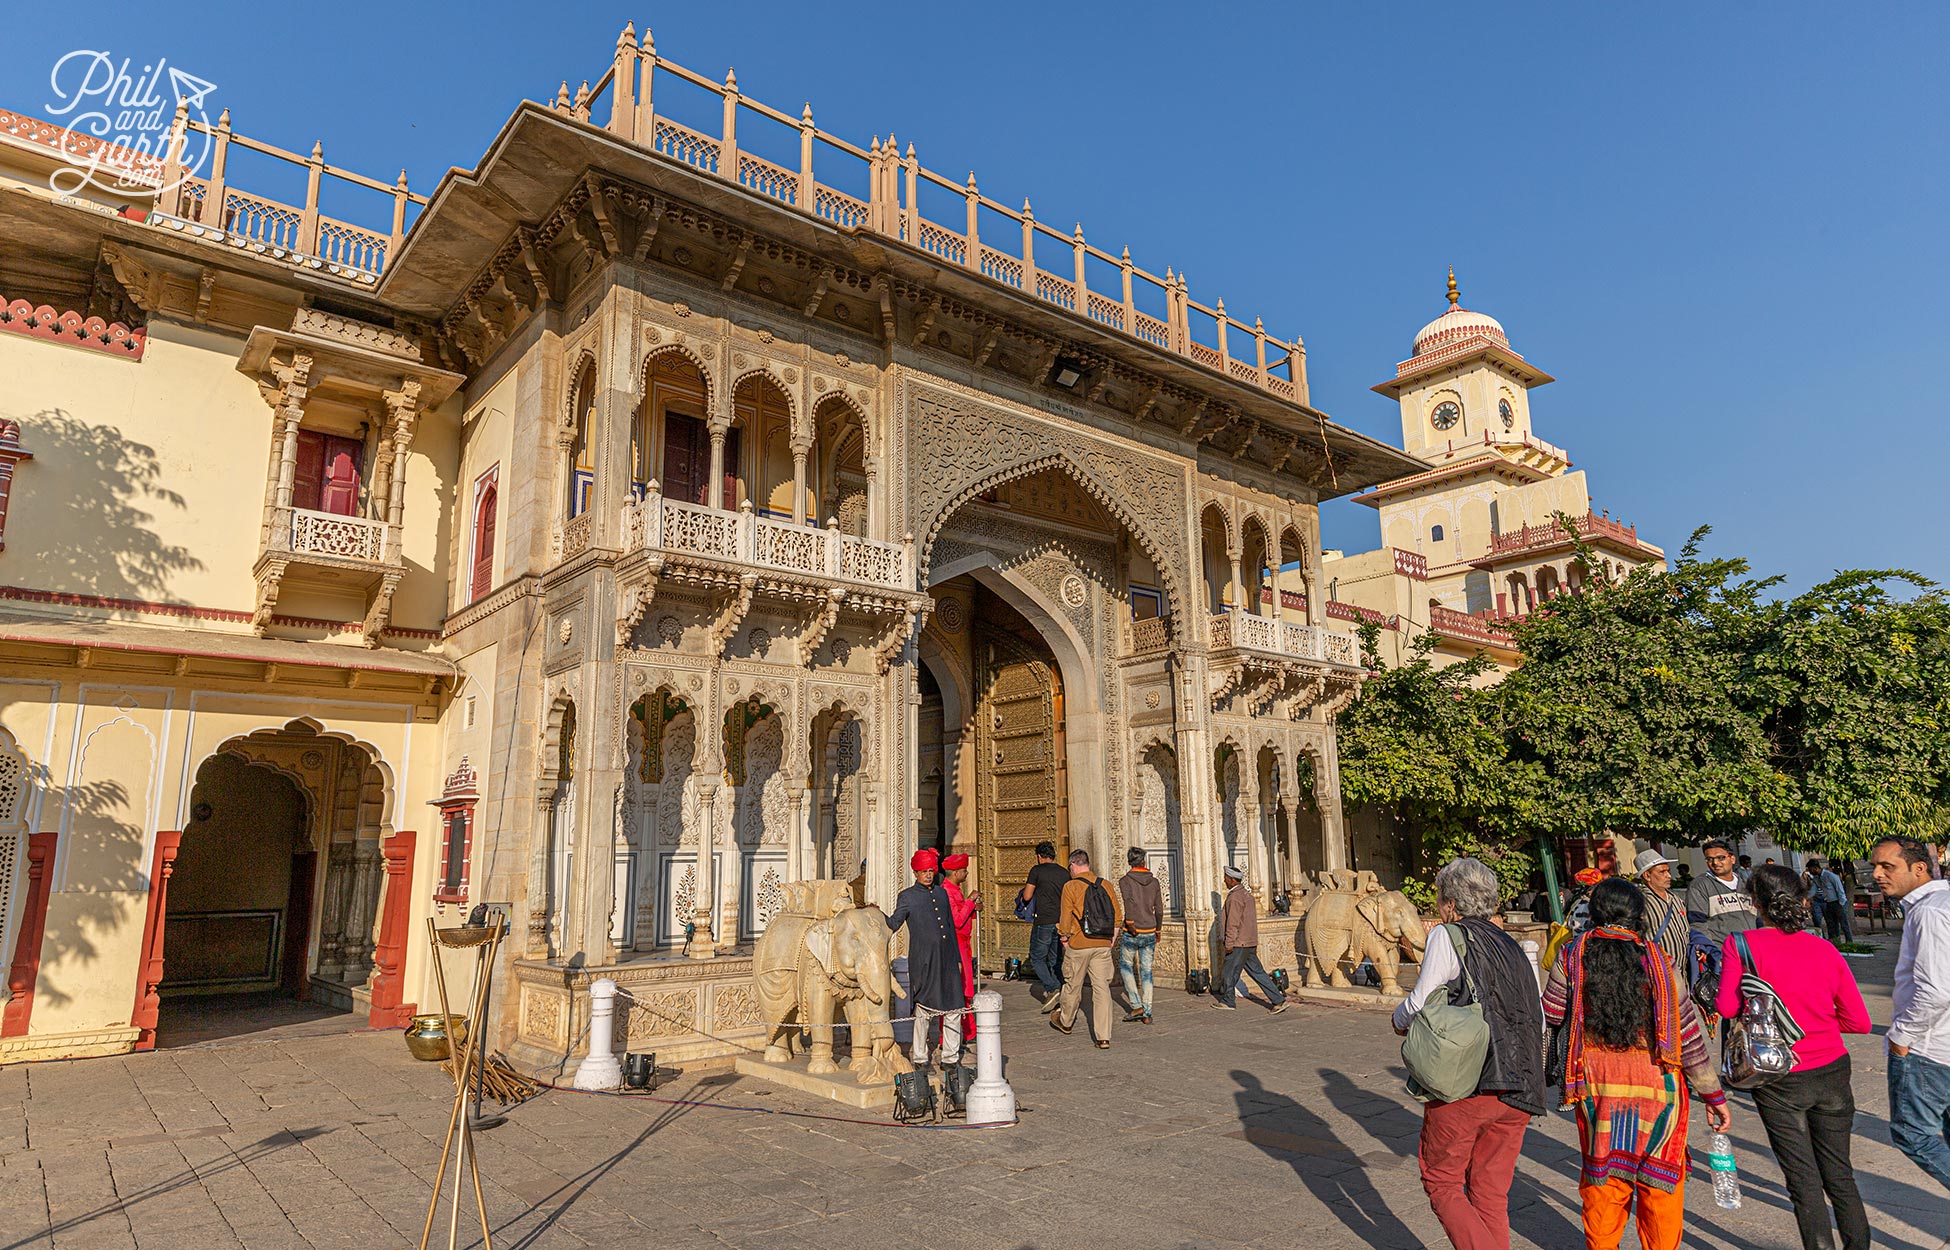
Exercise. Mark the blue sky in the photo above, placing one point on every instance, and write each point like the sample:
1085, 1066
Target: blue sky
1720, 226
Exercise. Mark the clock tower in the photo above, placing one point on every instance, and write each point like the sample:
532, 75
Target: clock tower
1464, 388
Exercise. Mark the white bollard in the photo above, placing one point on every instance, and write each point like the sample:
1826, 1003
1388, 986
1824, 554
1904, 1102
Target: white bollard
601, 1069
990, 1099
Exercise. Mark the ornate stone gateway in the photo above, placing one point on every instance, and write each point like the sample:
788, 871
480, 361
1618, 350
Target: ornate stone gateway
1017, 799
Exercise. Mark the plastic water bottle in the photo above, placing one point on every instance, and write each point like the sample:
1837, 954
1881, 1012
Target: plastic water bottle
1726, 1181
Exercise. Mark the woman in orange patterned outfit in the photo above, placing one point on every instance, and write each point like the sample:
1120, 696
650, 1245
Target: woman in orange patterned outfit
1633, 1037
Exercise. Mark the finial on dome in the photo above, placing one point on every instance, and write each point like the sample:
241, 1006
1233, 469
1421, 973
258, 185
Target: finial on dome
1455, 296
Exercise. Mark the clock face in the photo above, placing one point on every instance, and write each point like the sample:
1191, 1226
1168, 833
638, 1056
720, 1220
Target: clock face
1446, 414
1503, 410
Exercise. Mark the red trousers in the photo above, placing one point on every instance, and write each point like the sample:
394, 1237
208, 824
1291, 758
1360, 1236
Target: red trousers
1469, 1155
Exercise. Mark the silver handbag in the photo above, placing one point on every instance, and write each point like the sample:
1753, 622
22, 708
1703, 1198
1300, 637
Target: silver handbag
1759, 1043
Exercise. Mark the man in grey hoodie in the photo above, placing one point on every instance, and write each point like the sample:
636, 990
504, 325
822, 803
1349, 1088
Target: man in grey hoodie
1144, 906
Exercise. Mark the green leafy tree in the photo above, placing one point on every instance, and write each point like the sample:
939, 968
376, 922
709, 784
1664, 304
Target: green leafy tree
1852, 688
1629, 708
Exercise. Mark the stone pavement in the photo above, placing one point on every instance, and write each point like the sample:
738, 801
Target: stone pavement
1208, 1129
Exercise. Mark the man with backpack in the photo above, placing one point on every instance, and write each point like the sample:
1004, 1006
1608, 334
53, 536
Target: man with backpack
1088, 930
1239, 934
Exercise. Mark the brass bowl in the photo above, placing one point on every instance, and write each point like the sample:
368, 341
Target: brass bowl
426, 1036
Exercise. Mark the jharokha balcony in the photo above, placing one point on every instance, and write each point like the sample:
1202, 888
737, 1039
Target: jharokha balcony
743, 554
1258, 661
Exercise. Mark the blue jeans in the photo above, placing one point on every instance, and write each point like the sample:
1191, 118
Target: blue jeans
1919, 1113
1134, 955
1245, 959
1046, 957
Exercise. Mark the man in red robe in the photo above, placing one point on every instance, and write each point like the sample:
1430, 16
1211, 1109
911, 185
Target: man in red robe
963, 906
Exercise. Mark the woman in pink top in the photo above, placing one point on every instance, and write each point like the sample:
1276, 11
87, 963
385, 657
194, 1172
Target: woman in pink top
1810, 1112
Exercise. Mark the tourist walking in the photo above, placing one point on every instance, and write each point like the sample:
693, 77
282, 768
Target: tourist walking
1837, 903
1239, 936
1809, 1112
1044, 890
1144, 907
1631, 1034
1919, 1030
1089, 924
1469, 1147
963, 906
1718, 904
934, 980
1665, 912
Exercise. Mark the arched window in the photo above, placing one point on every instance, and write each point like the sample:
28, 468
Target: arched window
486, 498
582, 454
1435, 533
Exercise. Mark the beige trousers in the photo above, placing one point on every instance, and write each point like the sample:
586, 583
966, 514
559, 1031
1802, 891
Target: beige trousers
1097, 964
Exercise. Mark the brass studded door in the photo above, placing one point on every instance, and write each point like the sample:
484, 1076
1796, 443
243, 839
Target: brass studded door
1017, 772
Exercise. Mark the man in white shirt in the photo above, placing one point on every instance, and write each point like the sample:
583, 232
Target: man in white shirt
1919, 1033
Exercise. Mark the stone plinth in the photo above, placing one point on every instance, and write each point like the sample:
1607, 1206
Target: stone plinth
839, 1086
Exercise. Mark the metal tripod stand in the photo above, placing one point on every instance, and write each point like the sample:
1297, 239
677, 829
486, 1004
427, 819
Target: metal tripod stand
483, 940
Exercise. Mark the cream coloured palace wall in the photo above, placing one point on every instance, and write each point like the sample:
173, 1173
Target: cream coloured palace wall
147, 480
113, 763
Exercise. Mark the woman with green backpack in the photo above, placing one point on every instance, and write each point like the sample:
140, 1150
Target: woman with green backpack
1475, 1058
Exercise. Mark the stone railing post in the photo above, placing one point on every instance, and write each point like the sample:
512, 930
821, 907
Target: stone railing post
728, 154
990, 1099
399, 217
149, 974
170, 198
747, 533
622, 86
389, 955
806, 133
1028, 248
1083, 287
646, 116
308, 223
911, 215
25, 969
974, 224
213, 214
1175, 310
876, 188
1130, 306
1225, 356
1259, 344
833, 545
600, 1069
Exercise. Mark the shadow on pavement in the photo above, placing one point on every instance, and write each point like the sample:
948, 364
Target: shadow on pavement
1335, 1175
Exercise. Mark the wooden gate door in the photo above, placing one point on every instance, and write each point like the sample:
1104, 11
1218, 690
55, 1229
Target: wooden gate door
1016, 800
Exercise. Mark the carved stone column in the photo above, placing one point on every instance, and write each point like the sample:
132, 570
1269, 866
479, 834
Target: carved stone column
1289, 812
1327, 797
367, 870
1249, 820
703, 943
538, 865
1197, 817
331, 928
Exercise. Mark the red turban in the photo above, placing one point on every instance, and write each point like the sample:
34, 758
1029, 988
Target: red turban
957, 860
924, 860
1589, 876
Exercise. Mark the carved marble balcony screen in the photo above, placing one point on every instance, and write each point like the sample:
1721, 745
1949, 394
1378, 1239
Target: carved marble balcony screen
1158, 830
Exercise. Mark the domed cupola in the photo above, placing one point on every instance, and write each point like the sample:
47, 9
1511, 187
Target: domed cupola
1458, 325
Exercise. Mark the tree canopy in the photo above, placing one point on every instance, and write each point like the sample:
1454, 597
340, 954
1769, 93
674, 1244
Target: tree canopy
1673, 705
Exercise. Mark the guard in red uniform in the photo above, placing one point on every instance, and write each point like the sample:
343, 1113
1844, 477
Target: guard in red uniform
963, 906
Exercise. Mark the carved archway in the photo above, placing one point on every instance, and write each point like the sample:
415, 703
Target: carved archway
960, 454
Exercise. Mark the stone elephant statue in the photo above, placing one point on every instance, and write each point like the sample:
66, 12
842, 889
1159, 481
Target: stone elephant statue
822, 957
1343, 925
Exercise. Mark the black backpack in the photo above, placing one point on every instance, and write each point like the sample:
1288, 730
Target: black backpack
1099, 913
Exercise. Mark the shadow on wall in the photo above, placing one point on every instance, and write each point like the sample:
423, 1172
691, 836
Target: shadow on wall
100, 894
87, 504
